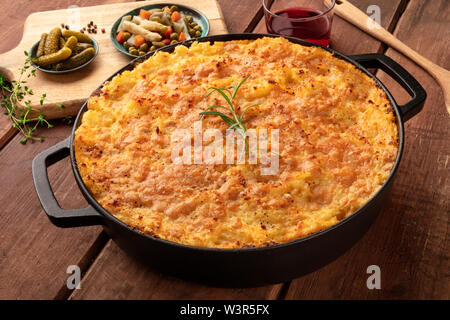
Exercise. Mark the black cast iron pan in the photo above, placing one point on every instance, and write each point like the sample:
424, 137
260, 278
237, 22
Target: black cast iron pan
241, 267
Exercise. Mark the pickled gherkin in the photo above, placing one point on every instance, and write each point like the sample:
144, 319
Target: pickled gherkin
40, 49
52, 41
80, 36
71, 43
77, 60
62, 42
55, 57
80, 47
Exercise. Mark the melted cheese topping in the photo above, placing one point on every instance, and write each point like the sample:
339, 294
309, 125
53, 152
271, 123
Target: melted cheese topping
338, 143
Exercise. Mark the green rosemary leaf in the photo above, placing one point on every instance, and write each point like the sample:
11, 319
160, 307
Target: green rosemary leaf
238, 86
227, 90
234, 125
12, 100
214, 107
243, 112
217, 107
224, 117
223, 89
227, 99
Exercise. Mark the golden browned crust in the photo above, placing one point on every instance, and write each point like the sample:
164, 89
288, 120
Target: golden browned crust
338, 144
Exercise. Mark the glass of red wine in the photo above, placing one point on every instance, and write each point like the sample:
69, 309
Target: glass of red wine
309, 20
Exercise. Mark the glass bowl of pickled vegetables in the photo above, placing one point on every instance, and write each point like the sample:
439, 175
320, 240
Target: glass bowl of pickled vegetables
62, 51
154, 26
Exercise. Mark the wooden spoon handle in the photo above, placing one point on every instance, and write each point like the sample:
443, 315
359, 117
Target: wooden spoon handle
355, 16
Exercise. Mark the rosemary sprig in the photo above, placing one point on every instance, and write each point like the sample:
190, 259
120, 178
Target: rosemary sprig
15, 93
235, 122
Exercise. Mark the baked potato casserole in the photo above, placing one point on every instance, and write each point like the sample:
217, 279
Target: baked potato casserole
338, 142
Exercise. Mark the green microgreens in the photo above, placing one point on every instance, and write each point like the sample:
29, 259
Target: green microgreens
235, 122
17, 107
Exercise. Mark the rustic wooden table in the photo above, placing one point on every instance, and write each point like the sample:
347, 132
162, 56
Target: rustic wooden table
409, 240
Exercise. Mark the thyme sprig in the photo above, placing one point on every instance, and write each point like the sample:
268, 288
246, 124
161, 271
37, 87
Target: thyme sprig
14, 99
235, 122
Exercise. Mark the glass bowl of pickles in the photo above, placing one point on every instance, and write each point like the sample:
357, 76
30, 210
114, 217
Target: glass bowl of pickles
62, 51
154, 26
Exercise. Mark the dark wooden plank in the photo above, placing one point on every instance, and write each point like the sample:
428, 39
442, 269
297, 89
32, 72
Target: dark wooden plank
34, 253
6, 130
409, 240
115, 275
241, 16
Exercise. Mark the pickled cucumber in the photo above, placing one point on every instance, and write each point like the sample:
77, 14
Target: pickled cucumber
80, 36
52, 58
71, 42
52, 41
62, 42
80, 47
76, 60
40, 49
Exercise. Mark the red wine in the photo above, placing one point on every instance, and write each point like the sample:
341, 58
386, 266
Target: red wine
315, 30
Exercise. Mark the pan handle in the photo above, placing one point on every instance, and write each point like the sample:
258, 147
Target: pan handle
399, 74
62, 218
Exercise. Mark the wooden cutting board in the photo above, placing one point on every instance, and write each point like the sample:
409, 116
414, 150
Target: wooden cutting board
72, 89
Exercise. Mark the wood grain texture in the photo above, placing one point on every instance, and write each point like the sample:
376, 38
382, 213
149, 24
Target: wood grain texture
6, 130
72, 89
34, 254
409, 240
241, 16
115, 275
